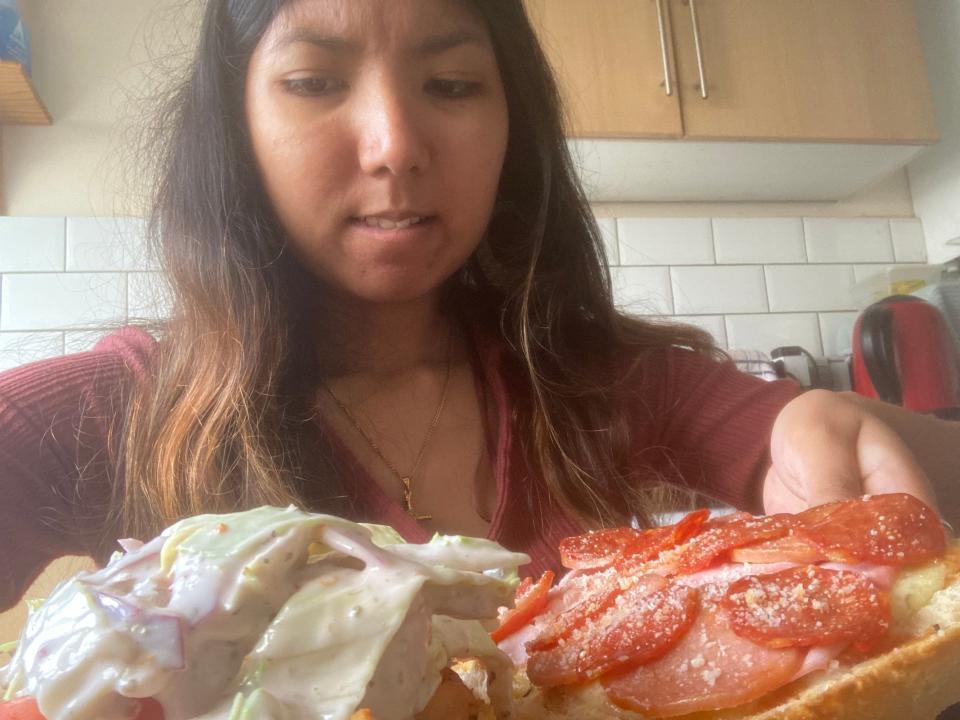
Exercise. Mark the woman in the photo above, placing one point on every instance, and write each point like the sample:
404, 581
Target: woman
391, 303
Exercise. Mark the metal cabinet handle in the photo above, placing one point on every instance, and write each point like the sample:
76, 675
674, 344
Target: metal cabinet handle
667, 82
696, 42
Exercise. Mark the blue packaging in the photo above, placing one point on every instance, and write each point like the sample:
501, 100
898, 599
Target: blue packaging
14, 36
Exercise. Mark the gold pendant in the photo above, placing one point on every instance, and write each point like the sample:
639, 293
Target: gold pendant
408, 500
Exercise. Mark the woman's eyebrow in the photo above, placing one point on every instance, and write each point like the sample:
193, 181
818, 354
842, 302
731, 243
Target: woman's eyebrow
433, 45
438, 44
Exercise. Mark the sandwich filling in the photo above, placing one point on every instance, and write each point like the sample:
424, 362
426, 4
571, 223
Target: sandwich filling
274, 614
714, 613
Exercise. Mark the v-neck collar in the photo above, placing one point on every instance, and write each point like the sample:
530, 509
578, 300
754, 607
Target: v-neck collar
495, 404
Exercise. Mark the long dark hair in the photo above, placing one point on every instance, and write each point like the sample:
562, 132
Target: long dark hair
224, 421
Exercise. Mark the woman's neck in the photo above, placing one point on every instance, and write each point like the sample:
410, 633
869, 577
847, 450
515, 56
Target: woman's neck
383, 339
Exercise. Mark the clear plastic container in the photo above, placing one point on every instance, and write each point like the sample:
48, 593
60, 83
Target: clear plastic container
14, 36
894, 280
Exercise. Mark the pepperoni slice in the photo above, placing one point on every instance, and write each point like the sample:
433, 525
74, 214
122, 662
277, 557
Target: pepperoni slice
807, 606
894, 529
709, 669
602, 596
530, 602
602, 548
718, 539
786, 549
643, 624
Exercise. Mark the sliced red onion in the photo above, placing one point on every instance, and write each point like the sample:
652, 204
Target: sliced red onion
130, 544
159, 634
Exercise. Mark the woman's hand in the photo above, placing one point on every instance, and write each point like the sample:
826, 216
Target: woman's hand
826, 447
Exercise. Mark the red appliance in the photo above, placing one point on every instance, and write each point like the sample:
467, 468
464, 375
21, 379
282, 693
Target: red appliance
904, 354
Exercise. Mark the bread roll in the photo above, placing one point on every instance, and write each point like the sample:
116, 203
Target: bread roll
915, 680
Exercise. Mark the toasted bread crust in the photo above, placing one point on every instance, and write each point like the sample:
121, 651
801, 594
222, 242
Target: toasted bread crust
914, 681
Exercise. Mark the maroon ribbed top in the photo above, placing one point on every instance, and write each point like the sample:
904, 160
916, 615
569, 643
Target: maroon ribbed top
695, 420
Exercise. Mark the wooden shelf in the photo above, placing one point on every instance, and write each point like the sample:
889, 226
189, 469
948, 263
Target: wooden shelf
19, 104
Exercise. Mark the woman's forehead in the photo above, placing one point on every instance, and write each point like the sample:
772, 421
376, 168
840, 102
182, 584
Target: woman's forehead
400, 24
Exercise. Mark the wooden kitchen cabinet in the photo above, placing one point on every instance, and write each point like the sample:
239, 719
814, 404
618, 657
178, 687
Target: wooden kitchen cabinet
784, 70
19, 104
608, 57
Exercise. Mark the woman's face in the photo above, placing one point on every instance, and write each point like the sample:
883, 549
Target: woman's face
379, 128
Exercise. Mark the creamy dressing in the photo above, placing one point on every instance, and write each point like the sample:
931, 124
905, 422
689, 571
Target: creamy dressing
269, 614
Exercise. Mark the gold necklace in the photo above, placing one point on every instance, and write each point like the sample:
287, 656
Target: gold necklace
406, 480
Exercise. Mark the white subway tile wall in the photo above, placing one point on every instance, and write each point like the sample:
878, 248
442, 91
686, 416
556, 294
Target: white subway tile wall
909, 245
106, 245
608, 229
65, 281
832, 240
836, 331
862, 272
799, 288
713, 324
32, 244
759, 240
768, 330
704, 289
643, 290
750, 282
665, 241
766, 282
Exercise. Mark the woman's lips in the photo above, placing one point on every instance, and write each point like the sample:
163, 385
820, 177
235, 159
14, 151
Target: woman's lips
384, 223
381, 227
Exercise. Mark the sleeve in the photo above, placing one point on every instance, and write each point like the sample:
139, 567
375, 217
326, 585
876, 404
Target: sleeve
713, 423
56, 466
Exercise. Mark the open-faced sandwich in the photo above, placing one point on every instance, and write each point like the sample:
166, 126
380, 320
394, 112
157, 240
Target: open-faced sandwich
271, 614
847, 610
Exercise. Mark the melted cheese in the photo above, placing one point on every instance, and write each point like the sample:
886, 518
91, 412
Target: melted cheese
913, 590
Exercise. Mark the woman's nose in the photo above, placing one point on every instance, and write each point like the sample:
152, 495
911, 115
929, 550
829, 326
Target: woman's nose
391, 135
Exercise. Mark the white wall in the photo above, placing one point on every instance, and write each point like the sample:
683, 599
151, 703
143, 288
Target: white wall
935, 176
64, 279
91, 70
757, 282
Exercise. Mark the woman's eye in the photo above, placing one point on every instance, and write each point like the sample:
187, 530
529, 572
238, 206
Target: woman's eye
453, 89
313, 86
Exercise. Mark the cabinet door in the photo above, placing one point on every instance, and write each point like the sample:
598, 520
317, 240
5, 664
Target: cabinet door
608, 58
842, 70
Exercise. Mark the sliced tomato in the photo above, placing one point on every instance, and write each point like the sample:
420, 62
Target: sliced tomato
26, 709
20, 709
786, 549
892, 529
710, 668
690, 525
643, 624
807, 606
530, 600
